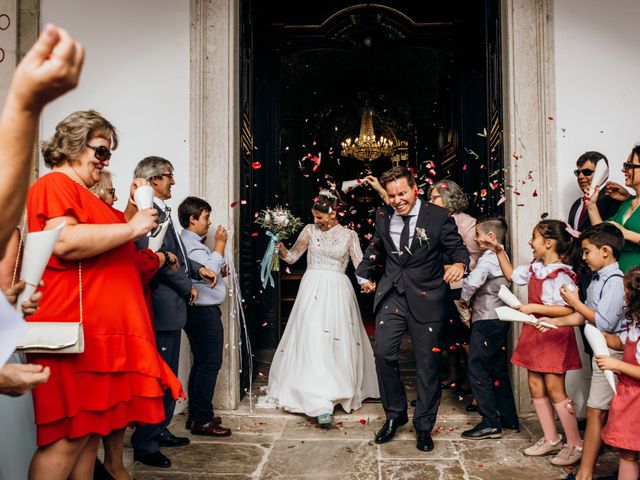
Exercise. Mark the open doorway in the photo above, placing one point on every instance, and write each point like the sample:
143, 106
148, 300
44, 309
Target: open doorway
429, 72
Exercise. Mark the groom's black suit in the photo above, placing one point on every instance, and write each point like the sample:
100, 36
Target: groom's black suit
411, 295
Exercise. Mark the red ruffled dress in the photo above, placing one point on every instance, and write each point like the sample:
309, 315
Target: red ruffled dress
120, 378
623, 423
555, 351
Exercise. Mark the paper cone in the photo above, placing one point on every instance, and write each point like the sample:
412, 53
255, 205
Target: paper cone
143, 196
350, 185
599, 176
38, 247
508, 314
599, 346
508, 297
155, 243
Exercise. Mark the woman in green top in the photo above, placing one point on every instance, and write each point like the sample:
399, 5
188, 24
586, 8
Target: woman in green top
627, 219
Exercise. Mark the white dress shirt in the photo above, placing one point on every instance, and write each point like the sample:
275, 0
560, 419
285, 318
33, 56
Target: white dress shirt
487, 267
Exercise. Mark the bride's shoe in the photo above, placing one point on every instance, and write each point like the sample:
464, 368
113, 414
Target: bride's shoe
325, 419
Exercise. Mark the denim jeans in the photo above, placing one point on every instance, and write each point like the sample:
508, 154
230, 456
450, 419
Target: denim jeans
206, 337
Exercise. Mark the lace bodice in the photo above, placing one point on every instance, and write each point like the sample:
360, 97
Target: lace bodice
328, 250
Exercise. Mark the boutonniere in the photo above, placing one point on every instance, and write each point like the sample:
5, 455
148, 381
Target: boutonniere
421, 234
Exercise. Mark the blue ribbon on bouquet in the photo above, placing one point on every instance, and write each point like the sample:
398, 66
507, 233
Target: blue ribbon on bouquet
267, 260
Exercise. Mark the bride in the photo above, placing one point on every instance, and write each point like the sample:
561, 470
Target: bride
324, 357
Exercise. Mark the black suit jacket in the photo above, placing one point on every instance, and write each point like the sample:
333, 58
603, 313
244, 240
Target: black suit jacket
607, 207
171, 290
420, 272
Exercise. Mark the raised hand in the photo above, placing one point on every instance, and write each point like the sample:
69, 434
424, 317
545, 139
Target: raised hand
616, 191
50, 68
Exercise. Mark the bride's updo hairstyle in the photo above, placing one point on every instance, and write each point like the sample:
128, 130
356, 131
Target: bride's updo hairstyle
325, 202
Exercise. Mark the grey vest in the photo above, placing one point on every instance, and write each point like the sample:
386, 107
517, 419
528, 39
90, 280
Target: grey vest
485, 300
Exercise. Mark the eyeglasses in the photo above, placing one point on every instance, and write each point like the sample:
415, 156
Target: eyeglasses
102, 153
587, 172
629, 166
168, 175
111, 191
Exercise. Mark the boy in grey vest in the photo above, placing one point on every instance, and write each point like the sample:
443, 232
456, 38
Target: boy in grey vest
488, 363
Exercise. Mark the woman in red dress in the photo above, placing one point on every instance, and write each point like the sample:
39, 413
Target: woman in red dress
92, 275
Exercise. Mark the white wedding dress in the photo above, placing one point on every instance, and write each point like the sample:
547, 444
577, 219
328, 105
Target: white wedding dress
324, 357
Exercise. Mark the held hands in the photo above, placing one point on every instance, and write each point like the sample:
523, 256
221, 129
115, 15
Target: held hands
50, 68
30, 306
453, 273
143, 222
17, 379
606, 362
368, 287
570, 295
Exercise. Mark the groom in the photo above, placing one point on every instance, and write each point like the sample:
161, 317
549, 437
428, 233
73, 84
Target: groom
411, 240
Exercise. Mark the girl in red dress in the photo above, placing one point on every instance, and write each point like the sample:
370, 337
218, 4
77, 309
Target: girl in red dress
120, 378
548, 356
623, 427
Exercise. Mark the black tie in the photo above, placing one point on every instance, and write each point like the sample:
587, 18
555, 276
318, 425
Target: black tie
595, 277
404, 236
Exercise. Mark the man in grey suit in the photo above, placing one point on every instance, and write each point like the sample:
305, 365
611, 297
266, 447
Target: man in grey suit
172, 289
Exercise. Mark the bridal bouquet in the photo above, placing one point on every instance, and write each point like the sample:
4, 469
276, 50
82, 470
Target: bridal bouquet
278, 223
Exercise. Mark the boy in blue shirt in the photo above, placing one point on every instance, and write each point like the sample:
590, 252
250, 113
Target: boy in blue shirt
204, 319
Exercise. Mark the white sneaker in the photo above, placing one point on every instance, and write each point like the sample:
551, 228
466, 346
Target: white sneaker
569, 455
544, 447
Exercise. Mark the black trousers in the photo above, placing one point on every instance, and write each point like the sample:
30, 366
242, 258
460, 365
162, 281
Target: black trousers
146, 438
206, 338
393, 319
489, 373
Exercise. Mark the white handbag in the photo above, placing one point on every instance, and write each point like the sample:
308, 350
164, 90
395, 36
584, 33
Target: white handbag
53, 337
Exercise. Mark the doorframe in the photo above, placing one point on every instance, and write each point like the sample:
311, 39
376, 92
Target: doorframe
528, 111
529, 135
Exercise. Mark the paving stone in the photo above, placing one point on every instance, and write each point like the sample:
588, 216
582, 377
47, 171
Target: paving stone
304, 428
406, 449
221, 459
410, 470
322, 459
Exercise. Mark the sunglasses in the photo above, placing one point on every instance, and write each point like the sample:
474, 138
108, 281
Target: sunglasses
587, 172
102, 153
629, 166
111, 191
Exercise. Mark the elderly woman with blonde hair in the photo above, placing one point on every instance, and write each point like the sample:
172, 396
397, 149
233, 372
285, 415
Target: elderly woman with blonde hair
448, 194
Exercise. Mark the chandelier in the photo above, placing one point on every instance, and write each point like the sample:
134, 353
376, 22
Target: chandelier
366, 147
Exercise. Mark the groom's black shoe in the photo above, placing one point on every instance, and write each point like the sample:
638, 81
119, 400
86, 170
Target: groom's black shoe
388, 430
424, 443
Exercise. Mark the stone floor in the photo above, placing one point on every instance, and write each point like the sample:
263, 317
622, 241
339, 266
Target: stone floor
272, 444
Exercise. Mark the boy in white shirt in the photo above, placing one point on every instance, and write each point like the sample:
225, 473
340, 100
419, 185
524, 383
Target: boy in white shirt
488, 363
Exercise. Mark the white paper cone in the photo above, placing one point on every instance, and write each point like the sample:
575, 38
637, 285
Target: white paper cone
143, 196
599, 346
508, 297
350, 185
155, 243
508, 314
38, 247
599, 176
